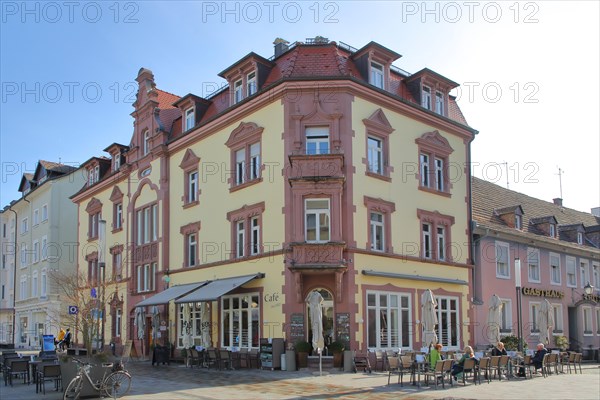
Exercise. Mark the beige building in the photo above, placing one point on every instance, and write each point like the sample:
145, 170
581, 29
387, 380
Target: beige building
7, 267
324, 168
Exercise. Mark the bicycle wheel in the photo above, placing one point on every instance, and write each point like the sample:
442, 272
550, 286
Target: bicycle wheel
117, 384
73, 390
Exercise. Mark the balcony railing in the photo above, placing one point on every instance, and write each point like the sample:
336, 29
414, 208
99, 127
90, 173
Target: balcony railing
317, 166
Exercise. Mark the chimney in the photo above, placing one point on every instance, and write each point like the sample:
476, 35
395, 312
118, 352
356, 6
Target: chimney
557, 201
596, 211
281, 46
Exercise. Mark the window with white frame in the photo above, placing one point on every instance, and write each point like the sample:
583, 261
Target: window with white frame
23, 287
598, 321
116, 161
388, 320
240, 319
240, 236
439, 174
579, 238
596, 272
584, 268
533, 265
375, 155
377, 232
36, 217
23, 254
502, 266
506, 316
426, 97
44, 283
147, 224
36, 251
192, 195
146, 277
118, 222
426, 240
439, 103
435, 235
44, 248
449, 323
557, 311
424, 166
555, 269
34, 284
571, 271
146, 142
45, 212
587, 321
254, 236
316, 221
251, 83
518, 221
534, 309
190, 118
317, 140
238, 94
192, 250
376, 77
24, 225
552, 230
441, 243
254, 161
93, 175
118, 266
118, 322
240, 166
94, 221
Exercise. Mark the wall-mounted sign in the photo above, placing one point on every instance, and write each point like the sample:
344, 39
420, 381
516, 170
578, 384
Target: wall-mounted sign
557, 294
591, 297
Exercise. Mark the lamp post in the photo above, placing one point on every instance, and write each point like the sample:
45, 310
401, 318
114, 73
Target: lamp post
519, 313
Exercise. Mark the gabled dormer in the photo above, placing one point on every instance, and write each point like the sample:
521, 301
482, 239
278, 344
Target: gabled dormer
27, 184
373, 62
572, 233
247, 76
512, 216
546, 225
592, 234
96, 168
192, 109
117, 156
431, 90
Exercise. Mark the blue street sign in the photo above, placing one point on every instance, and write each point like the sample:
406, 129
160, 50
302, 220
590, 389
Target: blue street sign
93, 293
73, 310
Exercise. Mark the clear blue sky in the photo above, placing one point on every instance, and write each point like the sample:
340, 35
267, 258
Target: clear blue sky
529, 74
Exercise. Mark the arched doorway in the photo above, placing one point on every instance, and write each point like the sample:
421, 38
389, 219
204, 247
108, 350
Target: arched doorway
328, 317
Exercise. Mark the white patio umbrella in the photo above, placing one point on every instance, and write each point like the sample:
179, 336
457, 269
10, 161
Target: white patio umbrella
186, 331
545, 321
315, 301
140, 321
494, 319
428, 318
205, 318
155, 322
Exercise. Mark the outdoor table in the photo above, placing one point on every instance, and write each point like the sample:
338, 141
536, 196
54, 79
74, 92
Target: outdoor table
417, 368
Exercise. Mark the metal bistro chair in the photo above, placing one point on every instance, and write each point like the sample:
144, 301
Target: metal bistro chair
17, 367
196, 358
484, 368
470, 366
224, 361
48, 372
244, 361
406, 366
394, 367
212, 358
437, 373
448, 370
379, 359
578, 358
503, 367
253, 358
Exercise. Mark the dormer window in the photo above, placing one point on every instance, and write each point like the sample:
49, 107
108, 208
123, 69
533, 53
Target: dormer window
116, 162
376, 76
189, 118
93, 175
552, 230
518, 221
146, 144
579, 238
237, 92
251, 83
426, 98
439, 103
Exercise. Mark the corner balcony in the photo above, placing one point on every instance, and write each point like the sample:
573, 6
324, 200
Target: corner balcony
145, 253
317, 255
316, 167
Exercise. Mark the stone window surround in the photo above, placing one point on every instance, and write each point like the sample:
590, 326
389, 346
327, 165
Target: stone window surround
246, 213
186, 230
435, 146
436, 219
386, 208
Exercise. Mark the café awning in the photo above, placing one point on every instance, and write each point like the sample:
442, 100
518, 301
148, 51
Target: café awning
171, 293
217, 288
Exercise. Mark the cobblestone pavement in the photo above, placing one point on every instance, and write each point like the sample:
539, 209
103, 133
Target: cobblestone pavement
176, 382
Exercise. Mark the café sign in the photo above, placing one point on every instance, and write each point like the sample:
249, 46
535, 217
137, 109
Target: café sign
591, 297
557, 294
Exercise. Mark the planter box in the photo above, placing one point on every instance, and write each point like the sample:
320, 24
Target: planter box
68, 371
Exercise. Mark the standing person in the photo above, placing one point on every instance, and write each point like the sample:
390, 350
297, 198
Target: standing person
60, 338
499, 350
67, 339
459, 366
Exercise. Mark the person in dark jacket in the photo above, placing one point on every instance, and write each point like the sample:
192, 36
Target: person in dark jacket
499, 350
67, 339
538, 357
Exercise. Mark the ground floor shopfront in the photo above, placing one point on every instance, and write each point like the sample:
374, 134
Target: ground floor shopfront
369, 303
34, 320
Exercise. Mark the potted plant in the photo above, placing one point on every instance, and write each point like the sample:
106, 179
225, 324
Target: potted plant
561, 342
511, 343
337, 349
302, 350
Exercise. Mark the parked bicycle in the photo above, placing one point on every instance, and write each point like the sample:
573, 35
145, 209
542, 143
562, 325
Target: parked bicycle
115, 382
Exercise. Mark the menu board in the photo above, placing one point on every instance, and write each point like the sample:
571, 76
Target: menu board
297, 328
342, 329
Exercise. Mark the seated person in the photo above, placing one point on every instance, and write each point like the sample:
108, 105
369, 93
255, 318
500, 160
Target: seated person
538, 357
435, 355
499, 350
458, 367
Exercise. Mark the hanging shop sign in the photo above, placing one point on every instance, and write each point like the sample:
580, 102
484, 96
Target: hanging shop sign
557, 294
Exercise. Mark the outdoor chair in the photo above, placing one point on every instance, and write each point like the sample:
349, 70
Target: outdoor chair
503, 367
470, 367
484, 368
7, 355
244, 361
549, 363
224, 361
448, 370
48, 372
17, 367
253, 358
406, 366
212, 358
528, 366
379, 359
437, 373
494, 366
394, 367
189, 358
196, 358
578, 358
